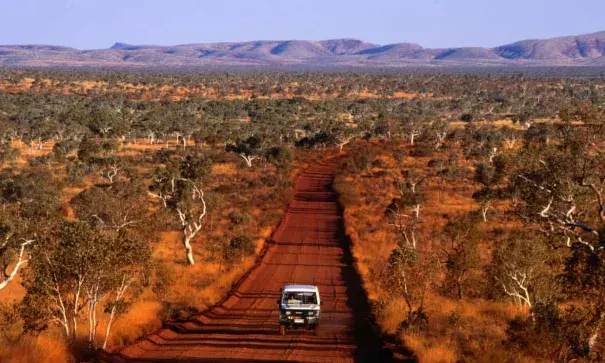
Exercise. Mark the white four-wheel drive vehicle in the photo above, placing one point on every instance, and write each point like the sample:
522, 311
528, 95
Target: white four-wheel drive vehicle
299, 307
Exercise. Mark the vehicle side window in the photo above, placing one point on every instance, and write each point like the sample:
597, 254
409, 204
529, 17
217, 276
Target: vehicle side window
312, 299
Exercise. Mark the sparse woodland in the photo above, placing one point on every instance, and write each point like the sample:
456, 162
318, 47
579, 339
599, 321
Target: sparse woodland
477, 250
475, 203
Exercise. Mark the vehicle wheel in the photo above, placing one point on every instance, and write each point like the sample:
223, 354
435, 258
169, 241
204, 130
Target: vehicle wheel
282, 329
316, 330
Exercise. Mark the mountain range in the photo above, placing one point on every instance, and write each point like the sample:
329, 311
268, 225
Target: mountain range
582, 50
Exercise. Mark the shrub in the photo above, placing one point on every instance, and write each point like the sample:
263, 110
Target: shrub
43, 160
87, 149
238, 218
467, 117
269, 180
177, 312
239, 248
62, 148
76, 171
7, 153
551, 334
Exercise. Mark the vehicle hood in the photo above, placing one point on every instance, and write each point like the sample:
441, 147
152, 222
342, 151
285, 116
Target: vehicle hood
299, 307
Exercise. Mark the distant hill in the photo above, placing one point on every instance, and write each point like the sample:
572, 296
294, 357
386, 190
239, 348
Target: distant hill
589, 46
583, 50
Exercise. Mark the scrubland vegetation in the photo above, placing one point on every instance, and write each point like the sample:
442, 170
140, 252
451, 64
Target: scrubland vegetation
475, 249
474, 203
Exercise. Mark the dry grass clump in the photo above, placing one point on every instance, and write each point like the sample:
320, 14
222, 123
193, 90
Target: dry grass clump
142, 319
475, 328
441, 350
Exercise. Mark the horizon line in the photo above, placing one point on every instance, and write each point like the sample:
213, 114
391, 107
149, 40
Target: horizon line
286, 40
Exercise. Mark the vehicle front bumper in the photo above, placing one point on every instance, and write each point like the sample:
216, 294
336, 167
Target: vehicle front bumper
294, 320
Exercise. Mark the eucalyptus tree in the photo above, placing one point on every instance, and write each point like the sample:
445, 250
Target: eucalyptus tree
119, 206
384, 126
439, 131
248, 149
411, 196
12, 248
560, 186
483, 142
411, 275
413, 127
459, 239
107, 122
73, 123
520, 269
491, 178
511, 137
110, 168
29, 209
540, 133
343, 135
281, 157
179, 186
74, 272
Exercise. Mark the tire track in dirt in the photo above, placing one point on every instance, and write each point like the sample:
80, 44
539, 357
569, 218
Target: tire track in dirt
308, 247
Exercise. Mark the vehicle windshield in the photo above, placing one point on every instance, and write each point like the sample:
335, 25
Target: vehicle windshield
299, 298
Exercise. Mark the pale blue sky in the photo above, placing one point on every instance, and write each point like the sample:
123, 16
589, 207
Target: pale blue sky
87, 24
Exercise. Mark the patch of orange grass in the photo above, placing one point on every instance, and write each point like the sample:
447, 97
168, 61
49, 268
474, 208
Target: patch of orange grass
224, 169
434, 350
190, 287
142, 319
201, 285
476, 327
40, 349
69, 193
13, 291
468, 329
264, 234
395, 313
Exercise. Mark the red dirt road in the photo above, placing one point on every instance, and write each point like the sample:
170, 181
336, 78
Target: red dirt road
308, 247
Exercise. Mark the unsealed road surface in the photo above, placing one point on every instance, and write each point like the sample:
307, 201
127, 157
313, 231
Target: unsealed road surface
308, 247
